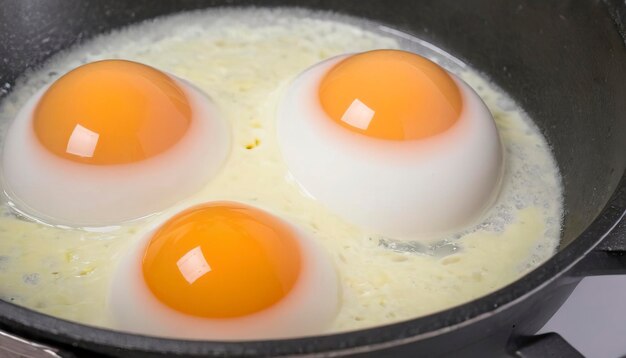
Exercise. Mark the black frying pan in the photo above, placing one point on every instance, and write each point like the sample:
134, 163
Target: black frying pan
563, 61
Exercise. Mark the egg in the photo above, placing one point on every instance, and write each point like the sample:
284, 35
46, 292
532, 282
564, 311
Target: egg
244, 61
392, 142
225, 270
108, 142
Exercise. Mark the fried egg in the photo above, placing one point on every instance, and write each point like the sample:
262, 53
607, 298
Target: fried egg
115, 140
244, 60
224, 270
392, 142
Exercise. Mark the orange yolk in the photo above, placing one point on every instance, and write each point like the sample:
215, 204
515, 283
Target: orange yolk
222, 260
112, 112
390, 94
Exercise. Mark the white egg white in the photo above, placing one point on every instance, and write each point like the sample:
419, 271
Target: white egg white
310, 307
402, 189
57, 191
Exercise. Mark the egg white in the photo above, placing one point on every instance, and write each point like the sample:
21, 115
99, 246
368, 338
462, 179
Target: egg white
403, 189
241, 59
303, 311
57, 191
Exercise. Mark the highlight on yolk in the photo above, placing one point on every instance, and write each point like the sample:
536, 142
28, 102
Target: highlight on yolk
112, 112
221, 260
390, 94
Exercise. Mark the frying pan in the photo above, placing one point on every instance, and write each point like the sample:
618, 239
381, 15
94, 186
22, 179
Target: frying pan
564, 62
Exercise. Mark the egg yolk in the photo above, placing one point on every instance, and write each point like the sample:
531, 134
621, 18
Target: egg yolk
112, 112
390, 94
222, 260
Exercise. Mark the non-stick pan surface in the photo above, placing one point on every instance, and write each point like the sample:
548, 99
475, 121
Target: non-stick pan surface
563, 61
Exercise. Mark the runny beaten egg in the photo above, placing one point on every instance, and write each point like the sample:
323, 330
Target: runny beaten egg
392, 142
115, 140
332, 274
